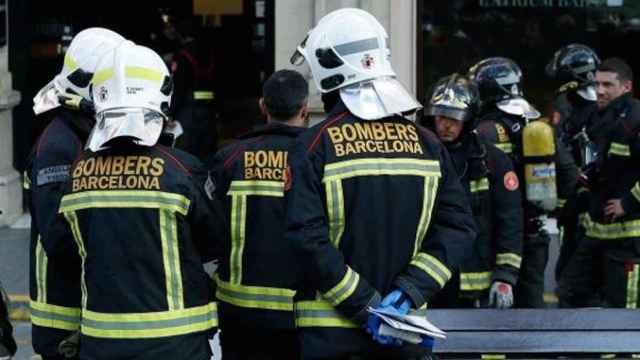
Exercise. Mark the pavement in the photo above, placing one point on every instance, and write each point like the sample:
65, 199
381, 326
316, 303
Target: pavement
14, 275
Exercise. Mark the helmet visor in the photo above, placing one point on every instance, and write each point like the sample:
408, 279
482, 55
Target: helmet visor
519, 107
449, 112
47, 98
143, 126
378, 98
297, 58
588, 92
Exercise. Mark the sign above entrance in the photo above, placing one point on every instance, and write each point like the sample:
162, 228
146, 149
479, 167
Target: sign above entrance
550, 3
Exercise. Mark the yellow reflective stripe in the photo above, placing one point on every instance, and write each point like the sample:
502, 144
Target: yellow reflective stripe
101, 76
41, 271
475, 281
561, 203
26, 181
171, 259
428, 200
479, 185
203, 95
125, 199
433, 267
633, 278
380, 166
344, 288
151, 324
613, 231
636, 191
138, 72
258, 297
72, 219
238, 228
69, 63
54, 316
320, 314
507, 148
493, 356
335, 207
256, 187
619, 149
607, 356
509, 259
135, 72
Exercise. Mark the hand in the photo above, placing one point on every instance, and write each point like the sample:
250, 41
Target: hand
76, 103
501, 295
614, 209
396, 302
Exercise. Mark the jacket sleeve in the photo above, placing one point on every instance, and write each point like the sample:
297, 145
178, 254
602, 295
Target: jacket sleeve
49, 176
307, 230
448, 241
507, 219
208, 219
567, 173
631, 198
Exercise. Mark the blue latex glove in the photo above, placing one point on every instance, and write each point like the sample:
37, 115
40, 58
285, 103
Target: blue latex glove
396, 301
427, 342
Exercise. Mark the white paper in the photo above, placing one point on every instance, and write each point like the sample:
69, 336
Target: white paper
412, 323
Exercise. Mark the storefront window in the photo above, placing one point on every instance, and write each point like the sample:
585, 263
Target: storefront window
458, 33
455, 34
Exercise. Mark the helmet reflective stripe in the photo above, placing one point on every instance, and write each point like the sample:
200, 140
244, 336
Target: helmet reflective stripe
69, 63
357, 46
511, 78
133, 72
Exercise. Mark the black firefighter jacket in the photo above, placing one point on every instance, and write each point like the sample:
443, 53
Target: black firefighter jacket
493, 187
143, 223
258, 271
374, 206
616, 174
54, 284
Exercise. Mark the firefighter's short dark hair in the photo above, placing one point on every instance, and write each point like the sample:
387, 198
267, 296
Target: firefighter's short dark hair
284, 94
617, 66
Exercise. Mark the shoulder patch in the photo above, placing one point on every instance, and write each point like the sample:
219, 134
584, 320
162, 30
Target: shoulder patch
502, 133
53, 174
511, 182
209, 186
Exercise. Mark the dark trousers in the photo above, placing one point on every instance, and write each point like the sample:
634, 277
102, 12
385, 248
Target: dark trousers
529, 291
259, 344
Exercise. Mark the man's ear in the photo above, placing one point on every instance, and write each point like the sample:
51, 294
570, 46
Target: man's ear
263, 107
627, 85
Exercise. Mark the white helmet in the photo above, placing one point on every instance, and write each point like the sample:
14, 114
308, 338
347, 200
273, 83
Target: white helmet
80, 61
131, 91
347, 50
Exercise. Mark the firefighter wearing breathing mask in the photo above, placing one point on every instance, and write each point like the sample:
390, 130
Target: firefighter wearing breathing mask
142, 220
487, 278
65, 104
508, 120
375, 210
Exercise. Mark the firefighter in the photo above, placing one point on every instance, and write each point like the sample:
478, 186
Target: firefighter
487, 174
375, 211
612, 243
251, 176
143, 222
8, 345
193, 102
574, 67
65, 104
506, 119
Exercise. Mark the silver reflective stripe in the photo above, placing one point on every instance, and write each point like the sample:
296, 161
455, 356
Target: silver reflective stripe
357, 46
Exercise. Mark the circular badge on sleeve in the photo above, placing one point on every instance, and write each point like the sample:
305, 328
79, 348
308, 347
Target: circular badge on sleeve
511, 182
